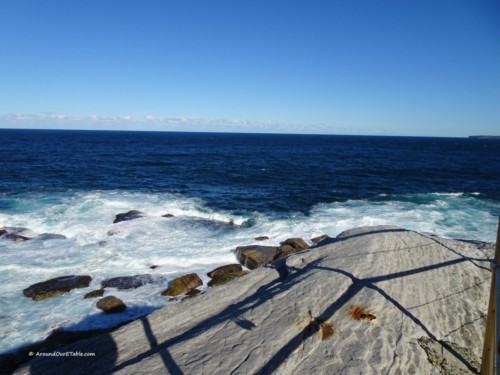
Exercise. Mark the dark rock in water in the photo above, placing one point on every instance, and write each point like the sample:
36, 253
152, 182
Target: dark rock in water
183, 284
111, 304
94, 294
255, 256
297, 243
153, 267
225, 278
318, 239
261, 238
14, 230
130, 215
128, 282
167, 215
102, 243
15, 237
112, 232
284, 251
13, 233
228, 268
56, 287
50, 236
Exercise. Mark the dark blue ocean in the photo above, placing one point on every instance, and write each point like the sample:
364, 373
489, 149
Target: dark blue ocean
73, 183
246, 172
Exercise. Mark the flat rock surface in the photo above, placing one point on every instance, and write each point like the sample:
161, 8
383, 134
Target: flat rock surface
296, 316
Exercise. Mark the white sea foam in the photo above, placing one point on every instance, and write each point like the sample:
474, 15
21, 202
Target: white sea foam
197, 239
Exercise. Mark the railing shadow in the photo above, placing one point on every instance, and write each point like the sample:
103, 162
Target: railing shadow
357, 285
233, 312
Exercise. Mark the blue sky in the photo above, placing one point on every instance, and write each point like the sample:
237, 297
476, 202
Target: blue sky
336, 67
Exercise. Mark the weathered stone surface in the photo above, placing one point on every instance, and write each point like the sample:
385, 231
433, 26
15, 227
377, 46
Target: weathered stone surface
55, 287
450, 358
128, 282
261, 238
126, 216
297, 243
228, 268
225, 278
255, 256
318, 239
293, 316
94, 294
183, 284
111, 305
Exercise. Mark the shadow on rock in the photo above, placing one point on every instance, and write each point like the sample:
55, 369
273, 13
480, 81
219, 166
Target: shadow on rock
95, 353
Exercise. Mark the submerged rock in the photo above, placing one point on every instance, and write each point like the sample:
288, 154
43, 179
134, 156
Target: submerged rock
50, 236
167, 215
254, 256
130, 215
128, 282
13, 234
55, 287
111, 304
15, 237
183, 284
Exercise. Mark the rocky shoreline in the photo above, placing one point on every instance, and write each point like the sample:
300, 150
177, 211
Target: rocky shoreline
185, 286
275, 265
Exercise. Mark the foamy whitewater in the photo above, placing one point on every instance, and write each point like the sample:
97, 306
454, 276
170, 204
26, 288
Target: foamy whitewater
196, 239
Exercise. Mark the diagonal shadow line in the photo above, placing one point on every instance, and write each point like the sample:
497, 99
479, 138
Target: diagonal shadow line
283, 282
167, 359
422, 325
357, 285
282, 354
456, 252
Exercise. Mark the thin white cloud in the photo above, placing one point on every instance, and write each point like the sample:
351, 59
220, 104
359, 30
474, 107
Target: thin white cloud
151, 122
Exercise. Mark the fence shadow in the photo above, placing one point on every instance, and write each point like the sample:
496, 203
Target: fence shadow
357, 285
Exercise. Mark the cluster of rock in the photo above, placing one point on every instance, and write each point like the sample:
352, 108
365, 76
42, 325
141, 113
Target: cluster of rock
252, 256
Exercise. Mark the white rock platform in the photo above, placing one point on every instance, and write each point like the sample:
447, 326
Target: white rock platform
411, 291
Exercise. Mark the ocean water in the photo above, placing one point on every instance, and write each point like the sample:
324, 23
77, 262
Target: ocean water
223, 190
